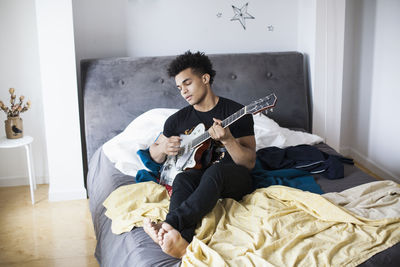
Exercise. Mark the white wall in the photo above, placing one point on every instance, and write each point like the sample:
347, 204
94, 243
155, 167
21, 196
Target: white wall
60, 98
171, 27
46, 75
99, 29
350, 71
328, 70
359, 64
19, 68
374, 128
306, 35
384, 128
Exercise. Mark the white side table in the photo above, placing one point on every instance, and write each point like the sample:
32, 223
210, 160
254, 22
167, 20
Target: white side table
26, 142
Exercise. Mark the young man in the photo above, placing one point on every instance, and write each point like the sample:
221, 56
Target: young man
195, 192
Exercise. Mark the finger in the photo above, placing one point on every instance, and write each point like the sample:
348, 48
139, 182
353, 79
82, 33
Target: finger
214, 133
167, 227
172, 153
173, 149
174, 144
211, 131
217, 121
174, 139
218, 131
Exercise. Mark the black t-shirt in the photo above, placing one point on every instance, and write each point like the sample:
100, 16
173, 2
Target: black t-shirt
187, 118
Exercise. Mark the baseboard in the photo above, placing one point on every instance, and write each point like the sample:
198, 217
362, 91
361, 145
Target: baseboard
20, 181
369, 164
59, 195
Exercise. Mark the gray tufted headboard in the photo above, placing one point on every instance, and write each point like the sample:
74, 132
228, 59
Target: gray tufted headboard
115, 91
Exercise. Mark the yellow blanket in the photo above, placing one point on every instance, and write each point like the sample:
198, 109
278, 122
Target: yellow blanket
274, 226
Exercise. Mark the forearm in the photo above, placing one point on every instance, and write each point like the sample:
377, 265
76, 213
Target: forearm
157, 153
240, 154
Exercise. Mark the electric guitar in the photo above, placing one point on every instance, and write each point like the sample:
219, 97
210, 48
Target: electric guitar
193, 145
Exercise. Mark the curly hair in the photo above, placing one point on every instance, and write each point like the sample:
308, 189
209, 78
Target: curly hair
198, 62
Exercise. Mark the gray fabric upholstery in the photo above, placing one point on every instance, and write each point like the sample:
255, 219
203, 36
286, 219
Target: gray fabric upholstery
117, 90
133, 248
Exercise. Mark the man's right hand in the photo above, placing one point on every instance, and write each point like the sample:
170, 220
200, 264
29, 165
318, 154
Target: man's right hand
171, 145
164, 146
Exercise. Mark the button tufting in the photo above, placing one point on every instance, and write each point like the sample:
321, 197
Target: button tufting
269, 75
121, 82
233, 76
161, 80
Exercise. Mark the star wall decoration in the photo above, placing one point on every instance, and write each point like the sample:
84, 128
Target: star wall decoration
241, 15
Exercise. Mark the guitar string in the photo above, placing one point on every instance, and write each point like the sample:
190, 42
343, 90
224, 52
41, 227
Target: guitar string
232, 118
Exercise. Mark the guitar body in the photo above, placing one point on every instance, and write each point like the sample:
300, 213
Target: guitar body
186, 158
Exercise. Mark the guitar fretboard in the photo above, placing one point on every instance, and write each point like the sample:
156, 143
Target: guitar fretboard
225, 123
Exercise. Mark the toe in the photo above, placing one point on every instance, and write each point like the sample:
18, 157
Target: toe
147, 221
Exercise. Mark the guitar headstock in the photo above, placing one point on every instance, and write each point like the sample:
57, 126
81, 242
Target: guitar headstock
261, 104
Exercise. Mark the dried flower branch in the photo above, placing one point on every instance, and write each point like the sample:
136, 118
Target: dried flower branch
15, 108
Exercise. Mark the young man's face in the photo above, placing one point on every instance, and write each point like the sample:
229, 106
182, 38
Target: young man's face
193, 87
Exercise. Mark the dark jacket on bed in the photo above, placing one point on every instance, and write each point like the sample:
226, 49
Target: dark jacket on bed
303, 157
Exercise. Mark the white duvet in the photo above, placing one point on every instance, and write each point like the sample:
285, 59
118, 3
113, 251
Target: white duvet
143, 131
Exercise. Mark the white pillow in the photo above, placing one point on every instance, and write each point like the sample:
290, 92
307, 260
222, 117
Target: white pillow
268, 133
139, 134
144, 130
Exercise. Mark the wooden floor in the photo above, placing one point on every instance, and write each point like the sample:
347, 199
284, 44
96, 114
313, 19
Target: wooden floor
45, 234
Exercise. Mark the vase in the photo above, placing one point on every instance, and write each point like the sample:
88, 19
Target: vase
14, 128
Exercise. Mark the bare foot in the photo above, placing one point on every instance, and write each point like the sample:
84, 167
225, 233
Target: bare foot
151, 228
172, 242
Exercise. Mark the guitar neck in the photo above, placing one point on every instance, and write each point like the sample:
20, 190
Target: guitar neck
225, 123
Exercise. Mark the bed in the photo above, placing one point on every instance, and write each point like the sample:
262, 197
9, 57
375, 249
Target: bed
116, 91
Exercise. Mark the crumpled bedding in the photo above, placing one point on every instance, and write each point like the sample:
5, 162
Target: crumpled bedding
274, 226
128, 205
375, 200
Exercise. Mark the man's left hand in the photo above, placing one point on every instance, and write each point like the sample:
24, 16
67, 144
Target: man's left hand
219, 133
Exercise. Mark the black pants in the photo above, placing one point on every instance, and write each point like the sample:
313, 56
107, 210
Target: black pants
195, 193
